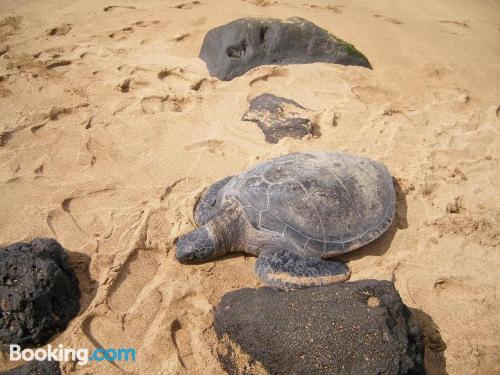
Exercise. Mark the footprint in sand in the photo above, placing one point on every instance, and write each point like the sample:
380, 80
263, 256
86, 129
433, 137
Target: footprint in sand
117, 7
10, 25
155, 104
330, 8
176, 78
462, 24
51, 64
122, 34
395, 21
179, 80
4, 92
180, 334
60, 30
263, 75
180, 37
455, 27
134, 276
214, 146
188, 5
145, 24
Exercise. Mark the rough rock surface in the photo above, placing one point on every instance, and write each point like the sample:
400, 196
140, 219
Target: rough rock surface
39, 292
233, 49
36, 368
357, 327
279, 117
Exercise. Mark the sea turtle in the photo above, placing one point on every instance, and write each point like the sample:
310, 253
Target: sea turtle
293, 212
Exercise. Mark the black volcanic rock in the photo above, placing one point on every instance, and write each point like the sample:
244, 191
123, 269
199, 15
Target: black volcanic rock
357, 327
233, 49
39, 292
36, 368
279, 117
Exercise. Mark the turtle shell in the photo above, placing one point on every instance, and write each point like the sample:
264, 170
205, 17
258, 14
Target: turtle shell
325, 203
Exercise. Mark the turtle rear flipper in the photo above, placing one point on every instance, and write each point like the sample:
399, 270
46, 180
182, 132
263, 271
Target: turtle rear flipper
206, 207
287, 270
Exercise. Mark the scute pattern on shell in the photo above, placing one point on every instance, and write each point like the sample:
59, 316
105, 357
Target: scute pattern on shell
324, 203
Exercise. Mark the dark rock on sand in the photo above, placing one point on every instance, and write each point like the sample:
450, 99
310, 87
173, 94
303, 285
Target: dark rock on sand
36, 368
235, 48
279, 117
357, 327
39, 292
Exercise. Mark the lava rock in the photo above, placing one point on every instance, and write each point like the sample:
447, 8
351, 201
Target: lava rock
357, 327
235, 48
36, 368
39, 292
279, 117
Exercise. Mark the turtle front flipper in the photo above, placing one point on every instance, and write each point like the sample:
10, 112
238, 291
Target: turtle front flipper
206, 207
286, 270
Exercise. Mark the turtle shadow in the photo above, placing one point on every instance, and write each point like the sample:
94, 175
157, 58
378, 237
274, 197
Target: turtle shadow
401, 206
379, 246
435, 360
80, 263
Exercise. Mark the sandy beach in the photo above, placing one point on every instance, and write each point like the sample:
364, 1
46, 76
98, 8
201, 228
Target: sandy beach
111, 128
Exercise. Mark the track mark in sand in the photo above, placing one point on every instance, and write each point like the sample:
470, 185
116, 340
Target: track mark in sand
330, 8
9, 25
187, 5
4, 92
387, 19
152, 104
394, 21
202, 84
125, 85
172, 72
56, 112
146, 24
274, 72
51, 64
108, 328
214, 146
463, 24
180, 37
480, 229
60, 30
369, 94
260, 3
65, 205
180, 80
114, 7
3, 50
39, 170
89, 147
51, 216
122, 34
174, 328
7, 135
135, 275
180, 334
155, 104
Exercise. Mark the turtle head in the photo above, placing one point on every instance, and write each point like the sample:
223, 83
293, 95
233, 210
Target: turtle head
196, 247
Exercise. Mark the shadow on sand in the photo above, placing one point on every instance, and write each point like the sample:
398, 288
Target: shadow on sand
435, 361
80, 263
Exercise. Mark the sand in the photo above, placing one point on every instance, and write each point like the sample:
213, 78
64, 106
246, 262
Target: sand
111, 128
